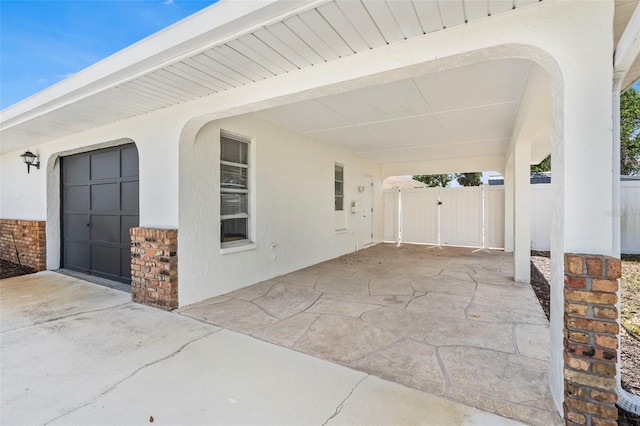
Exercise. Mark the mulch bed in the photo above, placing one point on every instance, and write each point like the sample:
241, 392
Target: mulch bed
540, 274
9, 269
629, 345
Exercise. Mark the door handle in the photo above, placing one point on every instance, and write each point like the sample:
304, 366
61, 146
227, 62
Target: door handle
88, 223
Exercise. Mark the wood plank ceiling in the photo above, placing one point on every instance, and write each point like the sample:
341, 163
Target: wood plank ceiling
330, 31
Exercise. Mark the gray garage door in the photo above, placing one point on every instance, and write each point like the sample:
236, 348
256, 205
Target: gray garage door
99, 205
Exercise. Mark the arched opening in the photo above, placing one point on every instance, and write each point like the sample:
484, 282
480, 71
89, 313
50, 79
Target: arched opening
403, 136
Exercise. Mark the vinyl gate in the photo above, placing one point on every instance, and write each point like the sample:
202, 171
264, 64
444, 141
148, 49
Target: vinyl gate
466, 215
446, 216
461, 216
421, 227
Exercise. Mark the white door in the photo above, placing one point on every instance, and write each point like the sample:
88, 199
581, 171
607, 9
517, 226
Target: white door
367, 210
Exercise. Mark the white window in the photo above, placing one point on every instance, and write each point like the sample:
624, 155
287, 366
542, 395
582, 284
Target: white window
234, 191
339, 187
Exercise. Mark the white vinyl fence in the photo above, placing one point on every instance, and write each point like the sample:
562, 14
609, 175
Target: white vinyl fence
541, 217
630, 217
474, 216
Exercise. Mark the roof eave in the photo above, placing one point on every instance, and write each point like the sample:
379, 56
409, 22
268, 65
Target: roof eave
626, 53
211, 26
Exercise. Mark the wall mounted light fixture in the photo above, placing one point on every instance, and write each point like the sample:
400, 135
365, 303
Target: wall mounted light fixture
29, 159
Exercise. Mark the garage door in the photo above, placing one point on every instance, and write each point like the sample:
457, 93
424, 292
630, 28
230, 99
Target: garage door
99, 205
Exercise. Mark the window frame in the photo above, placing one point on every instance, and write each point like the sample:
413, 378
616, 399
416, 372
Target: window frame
337, 166
248, 191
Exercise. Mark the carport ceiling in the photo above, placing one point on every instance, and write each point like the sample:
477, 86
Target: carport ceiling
462, 112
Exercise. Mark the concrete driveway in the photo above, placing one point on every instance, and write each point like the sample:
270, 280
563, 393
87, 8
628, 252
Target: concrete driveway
447, 321
75, 353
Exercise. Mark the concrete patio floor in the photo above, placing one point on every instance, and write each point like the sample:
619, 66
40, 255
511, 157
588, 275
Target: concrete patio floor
446, 321
75, 353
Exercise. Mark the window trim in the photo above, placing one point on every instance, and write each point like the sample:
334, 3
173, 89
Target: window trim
238, 247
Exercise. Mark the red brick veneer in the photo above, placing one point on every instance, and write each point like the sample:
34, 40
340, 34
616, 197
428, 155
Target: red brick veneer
154, 267
30, 239
591, 339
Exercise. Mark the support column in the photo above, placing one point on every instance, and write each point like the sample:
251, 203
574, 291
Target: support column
522, 211
154, 267
591, 339
583, 181
508, 206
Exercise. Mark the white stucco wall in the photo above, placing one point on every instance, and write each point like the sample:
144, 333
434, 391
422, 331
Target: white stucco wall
293, 191
36, 196
23, 196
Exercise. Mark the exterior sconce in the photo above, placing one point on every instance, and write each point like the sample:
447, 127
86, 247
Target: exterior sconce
29, 159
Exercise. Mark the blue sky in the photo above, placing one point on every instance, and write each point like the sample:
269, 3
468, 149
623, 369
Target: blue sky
42, 42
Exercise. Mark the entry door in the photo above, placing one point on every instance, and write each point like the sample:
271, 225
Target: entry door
99, 205
367, 210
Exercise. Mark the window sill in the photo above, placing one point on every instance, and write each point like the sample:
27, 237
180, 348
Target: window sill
340, 231
236, 249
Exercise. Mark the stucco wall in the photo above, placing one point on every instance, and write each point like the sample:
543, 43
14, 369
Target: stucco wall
24, 196
36, 196
293, 192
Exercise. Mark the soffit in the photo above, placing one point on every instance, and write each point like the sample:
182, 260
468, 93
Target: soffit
309, 33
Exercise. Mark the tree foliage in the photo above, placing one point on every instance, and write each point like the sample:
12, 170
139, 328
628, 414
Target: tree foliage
469, 179
629, 136
630, 132
464, 179
434, 181
544, 166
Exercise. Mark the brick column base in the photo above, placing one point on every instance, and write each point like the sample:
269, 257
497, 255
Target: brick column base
154, 267
591, 339
30, 240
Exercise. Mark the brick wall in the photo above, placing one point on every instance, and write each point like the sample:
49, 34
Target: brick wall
591, 339
154, 267
30, 239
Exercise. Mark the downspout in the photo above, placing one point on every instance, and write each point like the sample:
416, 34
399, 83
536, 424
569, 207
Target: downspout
624, 56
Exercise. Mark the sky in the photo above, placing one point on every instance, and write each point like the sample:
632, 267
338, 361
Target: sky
43, 42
